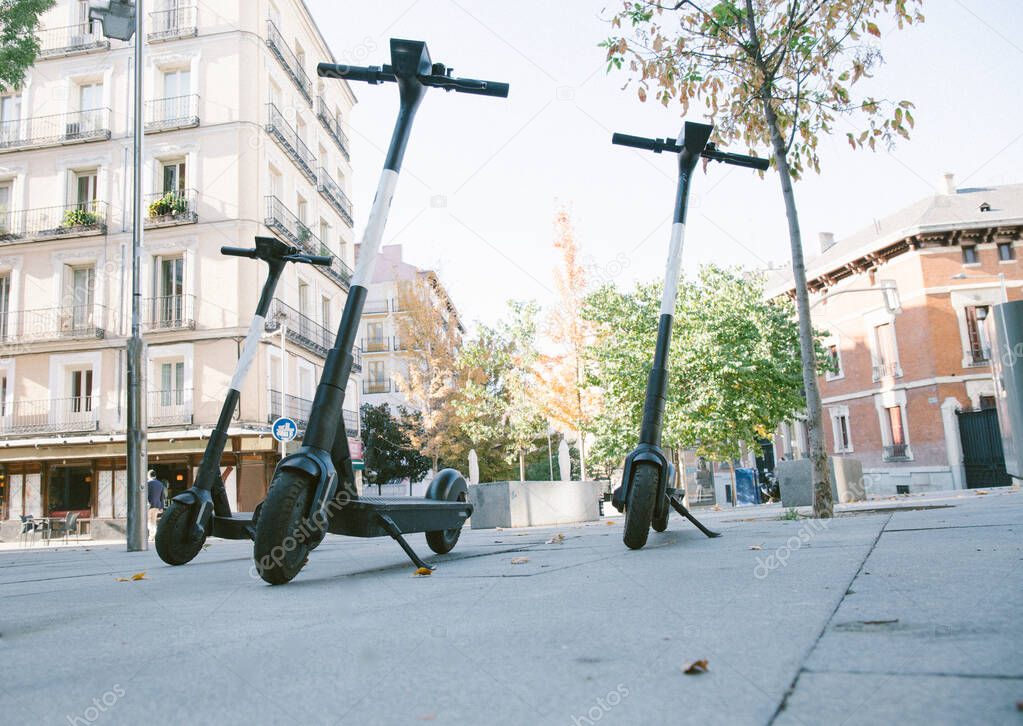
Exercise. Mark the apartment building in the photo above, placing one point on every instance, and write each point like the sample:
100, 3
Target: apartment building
397, 284
241, 139
912, 396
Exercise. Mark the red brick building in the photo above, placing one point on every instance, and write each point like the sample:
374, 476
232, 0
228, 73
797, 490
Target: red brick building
904, 377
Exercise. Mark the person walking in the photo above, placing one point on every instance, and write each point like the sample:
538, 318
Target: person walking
155, 492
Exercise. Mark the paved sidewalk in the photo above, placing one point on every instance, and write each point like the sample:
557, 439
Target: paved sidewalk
905, 615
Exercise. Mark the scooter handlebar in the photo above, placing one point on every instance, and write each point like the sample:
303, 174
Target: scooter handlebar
380, 74
641, 142
322, 260
751, 162
240, 252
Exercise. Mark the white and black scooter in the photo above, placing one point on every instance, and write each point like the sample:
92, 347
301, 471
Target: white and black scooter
313, 490
645, 494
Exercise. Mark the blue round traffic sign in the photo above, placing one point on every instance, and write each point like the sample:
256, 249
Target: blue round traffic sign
284, 429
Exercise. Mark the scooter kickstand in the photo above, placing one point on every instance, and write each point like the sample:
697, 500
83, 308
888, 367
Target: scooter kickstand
681, 509
392, 529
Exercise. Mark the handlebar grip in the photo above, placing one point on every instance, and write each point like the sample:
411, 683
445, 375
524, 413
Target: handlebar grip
483, 88
637, 142
750, 162
239, 252
323, 260
369, 74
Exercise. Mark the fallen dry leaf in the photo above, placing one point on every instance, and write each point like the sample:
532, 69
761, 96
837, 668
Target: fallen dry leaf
610, 523
716, 508
519, 560
139, 576
756, 547
422, 572
694, 667
980, 492
556, 539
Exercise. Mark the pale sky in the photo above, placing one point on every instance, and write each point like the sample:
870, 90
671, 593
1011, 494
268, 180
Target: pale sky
483, 176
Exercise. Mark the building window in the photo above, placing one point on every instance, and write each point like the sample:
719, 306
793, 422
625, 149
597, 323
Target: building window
81, 390
840, 428
86, 188
173, 175
375, 337
834, 358
172, 383
1005, 252
325, 312
376, 380
177, 83
90, 96
897, 448
987, 403
979, 345
79, 289
6, 216
170, 291
3, 393
970, 256
5, 303
302, 209
324, 231
886, 360
10, 117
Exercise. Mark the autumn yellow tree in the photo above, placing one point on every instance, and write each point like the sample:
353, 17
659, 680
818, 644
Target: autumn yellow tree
568, 401
429, 336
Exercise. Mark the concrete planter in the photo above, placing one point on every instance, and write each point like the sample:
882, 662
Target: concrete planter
797, 491
533, 503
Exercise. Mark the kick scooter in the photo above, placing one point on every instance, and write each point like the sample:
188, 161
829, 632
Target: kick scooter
645, 494
313, 490
203, 509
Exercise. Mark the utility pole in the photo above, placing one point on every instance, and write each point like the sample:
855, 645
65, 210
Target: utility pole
123, 19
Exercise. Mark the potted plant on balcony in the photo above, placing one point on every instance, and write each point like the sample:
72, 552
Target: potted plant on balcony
78, 217
303, 235
171, 204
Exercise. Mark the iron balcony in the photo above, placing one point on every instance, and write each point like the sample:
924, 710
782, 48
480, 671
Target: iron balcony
59, 129
174, 112
289, 61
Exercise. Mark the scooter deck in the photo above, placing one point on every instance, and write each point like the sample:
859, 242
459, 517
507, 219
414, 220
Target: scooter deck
360, 518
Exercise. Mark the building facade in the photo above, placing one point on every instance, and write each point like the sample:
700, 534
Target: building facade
241, 139
909, 370
396, 286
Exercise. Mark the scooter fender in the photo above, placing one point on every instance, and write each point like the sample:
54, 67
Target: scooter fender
319, 468
446, 486
644, 453
200, 507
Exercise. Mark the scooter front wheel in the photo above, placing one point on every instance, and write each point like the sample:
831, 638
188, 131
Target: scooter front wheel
660, 523
639, 506
283, 532
173, 539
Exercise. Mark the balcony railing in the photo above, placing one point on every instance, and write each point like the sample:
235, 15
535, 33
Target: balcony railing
334, 194
169, 312
896, 452
177, 22
290, 228
886, 370
297, 409
174, 112
376, 386
356, 359
71, 39
166, 209
73, 220
288, 139
55, 130
51, 415
172, 407
68, 321
376, 345
288, 59
333, 126
300, 329
374, 307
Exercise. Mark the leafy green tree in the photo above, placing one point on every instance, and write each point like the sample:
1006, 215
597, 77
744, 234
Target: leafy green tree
387, 451
19, 45
774, 73
735, 367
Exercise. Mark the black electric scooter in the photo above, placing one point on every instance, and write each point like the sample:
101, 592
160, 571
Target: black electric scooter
645, 494
313, 490
203, 509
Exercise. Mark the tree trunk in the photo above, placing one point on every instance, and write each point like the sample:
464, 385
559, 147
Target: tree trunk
582, 455
522, 465
823, 506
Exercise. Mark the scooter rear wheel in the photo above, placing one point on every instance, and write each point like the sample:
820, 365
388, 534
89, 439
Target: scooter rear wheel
639, 506
661, 523
173, 540
283, 532
444, 540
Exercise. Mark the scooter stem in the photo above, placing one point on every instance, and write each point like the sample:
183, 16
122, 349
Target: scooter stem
692, 141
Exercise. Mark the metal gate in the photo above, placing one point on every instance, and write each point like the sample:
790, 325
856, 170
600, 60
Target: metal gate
983, 459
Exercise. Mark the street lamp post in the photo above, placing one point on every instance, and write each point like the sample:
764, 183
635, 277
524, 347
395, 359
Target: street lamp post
122, 19
888, 288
